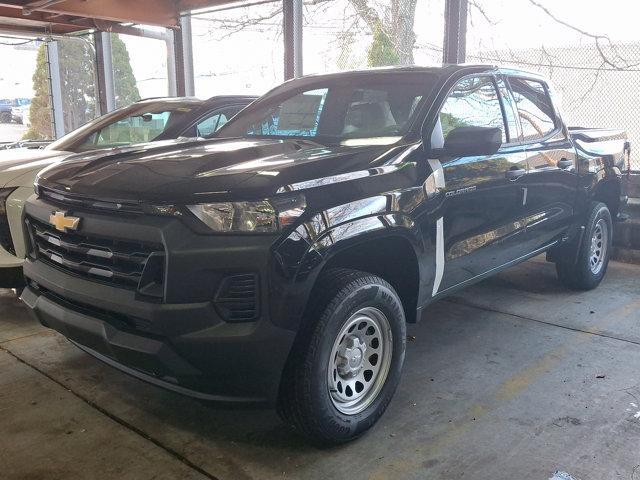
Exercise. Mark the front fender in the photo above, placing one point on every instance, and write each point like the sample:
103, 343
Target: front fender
300, 259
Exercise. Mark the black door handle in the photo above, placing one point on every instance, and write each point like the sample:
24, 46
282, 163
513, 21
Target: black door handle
565, 163
515, 173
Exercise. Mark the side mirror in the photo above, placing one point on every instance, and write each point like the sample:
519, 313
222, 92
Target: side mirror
472, 141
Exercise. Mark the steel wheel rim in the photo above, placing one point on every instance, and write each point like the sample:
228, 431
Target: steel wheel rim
598, 248
360, 361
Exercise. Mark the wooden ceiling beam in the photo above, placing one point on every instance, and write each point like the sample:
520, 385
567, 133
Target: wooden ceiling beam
70, 16
39, 31
163, 13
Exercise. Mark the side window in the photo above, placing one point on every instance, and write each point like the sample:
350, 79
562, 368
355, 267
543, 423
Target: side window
206, 127
535, 108
473, 102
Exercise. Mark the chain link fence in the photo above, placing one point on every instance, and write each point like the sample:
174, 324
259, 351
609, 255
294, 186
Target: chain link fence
592, 93
597, 77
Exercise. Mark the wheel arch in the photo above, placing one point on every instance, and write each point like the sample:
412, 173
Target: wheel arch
608, 191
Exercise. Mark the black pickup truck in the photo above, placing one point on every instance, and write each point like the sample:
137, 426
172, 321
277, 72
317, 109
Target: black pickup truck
281, 260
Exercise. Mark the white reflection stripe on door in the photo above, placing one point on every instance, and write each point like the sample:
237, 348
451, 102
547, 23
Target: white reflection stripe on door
439, 256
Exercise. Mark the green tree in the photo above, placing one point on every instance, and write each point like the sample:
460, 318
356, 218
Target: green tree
391, 24
78, 83
39, 112
382, 51
126, 88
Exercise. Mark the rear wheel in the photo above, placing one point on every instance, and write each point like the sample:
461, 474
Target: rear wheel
587, 270
346, 363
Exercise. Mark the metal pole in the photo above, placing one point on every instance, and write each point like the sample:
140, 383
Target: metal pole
55, 89
187, 55
104, 69
455, 31
171, 66
178, 63
292, 29
297, 38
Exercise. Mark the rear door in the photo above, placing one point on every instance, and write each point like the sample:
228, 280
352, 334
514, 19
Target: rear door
552, 183
482, 209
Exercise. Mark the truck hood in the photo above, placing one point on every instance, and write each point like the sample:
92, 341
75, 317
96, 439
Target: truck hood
19, 166
221, 168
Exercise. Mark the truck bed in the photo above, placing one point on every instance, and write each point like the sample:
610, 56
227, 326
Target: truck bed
602, 142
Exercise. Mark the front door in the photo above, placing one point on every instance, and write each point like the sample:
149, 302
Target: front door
481, 217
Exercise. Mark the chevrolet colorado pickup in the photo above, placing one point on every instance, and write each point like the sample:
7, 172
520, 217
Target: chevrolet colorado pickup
281, 260
151, 120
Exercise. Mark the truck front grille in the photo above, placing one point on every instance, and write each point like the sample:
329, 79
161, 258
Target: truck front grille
108, 260
67, 200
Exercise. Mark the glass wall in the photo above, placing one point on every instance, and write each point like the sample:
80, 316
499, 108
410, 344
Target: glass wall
238, 50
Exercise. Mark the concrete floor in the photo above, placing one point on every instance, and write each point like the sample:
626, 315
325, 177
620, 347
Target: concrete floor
513, 379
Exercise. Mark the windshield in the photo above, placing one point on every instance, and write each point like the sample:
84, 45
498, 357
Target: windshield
138, 123
354, 110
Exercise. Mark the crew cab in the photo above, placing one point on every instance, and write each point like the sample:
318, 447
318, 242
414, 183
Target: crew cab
281, 260
150, 120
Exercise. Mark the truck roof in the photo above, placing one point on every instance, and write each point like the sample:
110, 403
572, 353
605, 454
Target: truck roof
446, 69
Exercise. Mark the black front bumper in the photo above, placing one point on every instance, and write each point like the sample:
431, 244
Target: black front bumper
181, 342
222, 362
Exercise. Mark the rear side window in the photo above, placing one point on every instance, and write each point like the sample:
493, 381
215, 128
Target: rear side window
473, 102
206, 127
535, 108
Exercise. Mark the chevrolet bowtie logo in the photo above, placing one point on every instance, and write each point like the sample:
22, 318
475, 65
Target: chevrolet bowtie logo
62, 222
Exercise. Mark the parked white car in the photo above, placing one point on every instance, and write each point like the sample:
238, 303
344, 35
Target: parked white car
21, 114
153, 120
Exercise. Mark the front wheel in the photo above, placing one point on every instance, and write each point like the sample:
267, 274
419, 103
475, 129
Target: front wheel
589, 268
347, 360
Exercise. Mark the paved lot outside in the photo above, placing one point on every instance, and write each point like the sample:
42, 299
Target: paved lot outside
11, 132
514, 378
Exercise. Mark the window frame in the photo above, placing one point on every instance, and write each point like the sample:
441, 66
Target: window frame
557, 123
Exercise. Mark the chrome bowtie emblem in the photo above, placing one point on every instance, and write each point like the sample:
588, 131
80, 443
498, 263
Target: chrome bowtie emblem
62, 223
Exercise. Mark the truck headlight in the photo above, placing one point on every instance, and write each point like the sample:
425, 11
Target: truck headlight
265, 216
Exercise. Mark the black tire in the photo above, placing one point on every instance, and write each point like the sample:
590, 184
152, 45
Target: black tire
5, 117
305, 402
580, 274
